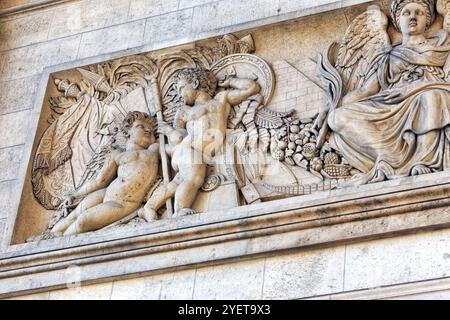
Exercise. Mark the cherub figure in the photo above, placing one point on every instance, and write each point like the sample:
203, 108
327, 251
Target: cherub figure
198, 134
121, 185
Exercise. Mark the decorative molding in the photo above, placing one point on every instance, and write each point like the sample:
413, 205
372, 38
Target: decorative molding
35, 5
365, 213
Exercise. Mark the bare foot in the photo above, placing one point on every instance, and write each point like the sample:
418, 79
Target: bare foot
184, 212
419, 170
149, 214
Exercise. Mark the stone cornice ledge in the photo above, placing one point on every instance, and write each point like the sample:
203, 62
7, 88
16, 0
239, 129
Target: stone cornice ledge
35, 5
320, 220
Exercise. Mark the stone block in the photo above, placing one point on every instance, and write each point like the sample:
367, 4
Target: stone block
438, 295
222, 14
168, 26
37, 296
31, 60
87, 16
112, 39
93, 292
148, 8
8, 198
25, 31
5, 4
193, 3
10, 159
170, 286
15, 128
305, 274
397, 260
287, 6
18, 94
236, 281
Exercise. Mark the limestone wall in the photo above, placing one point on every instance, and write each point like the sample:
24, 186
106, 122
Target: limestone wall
51, 33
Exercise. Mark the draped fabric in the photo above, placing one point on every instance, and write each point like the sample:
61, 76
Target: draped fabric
65, 150
385, 136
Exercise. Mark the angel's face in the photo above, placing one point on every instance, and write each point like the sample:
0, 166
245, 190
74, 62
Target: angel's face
413, 19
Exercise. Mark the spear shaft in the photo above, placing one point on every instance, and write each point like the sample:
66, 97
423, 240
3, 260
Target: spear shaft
162, 139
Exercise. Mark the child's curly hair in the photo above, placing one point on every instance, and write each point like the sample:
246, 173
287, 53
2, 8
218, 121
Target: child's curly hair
133, 116
206, 79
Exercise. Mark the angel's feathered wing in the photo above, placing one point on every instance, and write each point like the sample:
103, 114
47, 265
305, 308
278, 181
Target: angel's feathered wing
360, 49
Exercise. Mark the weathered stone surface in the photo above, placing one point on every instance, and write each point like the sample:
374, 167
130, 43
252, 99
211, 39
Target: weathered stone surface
226, 13
438, 295
287, 6
168, 27
171, 286
25, 31
16, 95
15, 128
10, 159
37, 296
193, 3
86, 16
8, 190
146, 8
93, 292
112, 39
31, 60
221, 282
304, 274
13, 3
398, 260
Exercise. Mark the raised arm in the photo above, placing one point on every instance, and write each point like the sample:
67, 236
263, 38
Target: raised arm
239, 89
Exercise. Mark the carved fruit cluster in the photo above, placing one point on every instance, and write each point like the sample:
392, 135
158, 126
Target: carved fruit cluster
296, 145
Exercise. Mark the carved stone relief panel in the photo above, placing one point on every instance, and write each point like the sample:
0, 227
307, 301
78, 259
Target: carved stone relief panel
219, 125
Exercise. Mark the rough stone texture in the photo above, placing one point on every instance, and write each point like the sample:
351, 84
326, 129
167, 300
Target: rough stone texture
88, 15
14, 128
9, 162
148, 8
169, 26
220, 282
226, 13
94, 292
31, 60
10, 101
392, 261
173, 286
304, 274
25, 31
7, 197
112, 39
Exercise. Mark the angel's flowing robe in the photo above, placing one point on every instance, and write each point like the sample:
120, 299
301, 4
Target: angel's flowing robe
386, 139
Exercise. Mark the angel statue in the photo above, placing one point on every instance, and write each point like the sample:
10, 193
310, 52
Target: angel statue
198, 134
121, 185
389, 104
